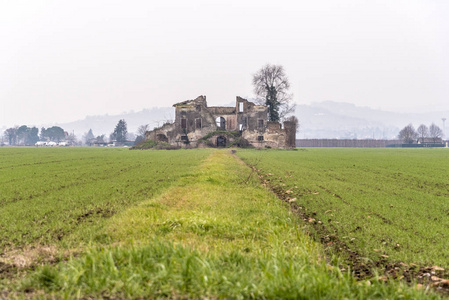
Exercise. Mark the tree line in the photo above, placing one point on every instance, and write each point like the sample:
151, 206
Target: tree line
29, 136
409, 135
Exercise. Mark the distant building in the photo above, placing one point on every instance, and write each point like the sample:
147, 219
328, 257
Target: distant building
197, 125
429, 141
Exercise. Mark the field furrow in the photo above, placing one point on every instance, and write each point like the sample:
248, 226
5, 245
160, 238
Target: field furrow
113, 223
214, 233
390, 202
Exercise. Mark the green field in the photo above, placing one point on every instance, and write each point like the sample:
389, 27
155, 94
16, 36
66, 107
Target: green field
390, 202
54, 195
114, 223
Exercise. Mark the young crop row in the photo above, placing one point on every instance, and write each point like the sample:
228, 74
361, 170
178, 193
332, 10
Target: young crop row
386, 204
216, 233
62, 195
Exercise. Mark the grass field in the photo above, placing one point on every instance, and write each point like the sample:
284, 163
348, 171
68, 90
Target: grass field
389, 204
102, 223
61, 195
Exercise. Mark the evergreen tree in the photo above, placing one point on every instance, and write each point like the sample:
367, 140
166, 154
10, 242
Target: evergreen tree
120, 131
27, 136
55, 134
89, 138
11, 135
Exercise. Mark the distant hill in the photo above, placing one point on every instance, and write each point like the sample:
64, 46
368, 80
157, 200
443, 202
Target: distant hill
344, 120
318, 120
105, 124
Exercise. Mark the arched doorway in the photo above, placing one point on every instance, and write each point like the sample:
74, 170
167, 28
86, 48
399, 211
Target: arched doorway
221, 123
221, 141
161, 138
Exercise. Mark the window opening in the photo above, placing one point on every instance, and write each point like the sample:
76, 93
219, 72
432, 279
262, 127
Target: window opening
198, 123
240, 106
221, 123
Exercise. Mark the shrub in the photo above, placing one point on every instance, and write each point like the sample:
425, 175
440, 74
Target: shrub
151, 144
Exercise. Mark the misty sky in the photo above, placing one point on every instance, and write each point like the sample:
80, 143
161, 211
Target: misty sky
63, 60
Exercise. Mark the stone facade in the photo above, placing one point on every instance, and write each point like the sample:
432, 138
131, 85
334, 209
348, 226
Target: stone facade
197, 125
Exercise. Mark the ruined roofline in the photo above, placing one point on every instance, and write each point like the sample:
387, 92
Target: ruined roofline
201, 100
198, 100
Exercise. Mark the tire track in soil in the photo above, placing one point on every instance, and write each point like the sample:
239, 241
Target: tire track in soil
360, 267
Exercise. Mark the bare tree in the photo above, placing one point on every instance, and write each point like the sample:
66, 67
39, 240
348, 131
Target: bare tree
423, 132
100, 138
271, 85
130, 136
71, 138
408, 134
142, 129
435, 132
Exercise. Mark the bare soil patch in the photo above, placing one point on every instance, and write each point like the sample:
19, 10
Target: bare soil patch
16, 260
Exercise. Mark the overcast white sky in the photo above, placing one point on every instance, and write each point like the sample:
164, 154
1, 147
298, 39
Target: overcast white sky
63, 60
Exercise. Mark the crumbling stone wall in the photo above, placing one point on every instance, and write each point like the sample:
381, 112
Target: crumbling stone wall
194, 120
290, 134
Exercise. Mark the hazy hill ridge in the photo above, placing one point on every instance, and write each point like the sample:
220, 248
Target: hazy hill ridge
105, 124
317, 120
343, 120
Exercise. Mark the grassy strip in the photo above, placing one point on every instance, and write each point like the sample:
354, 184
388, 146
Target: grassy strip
214, 235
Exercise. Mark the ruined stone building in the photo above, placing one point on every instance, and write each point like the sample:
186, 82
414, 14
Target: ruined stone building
245, 124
